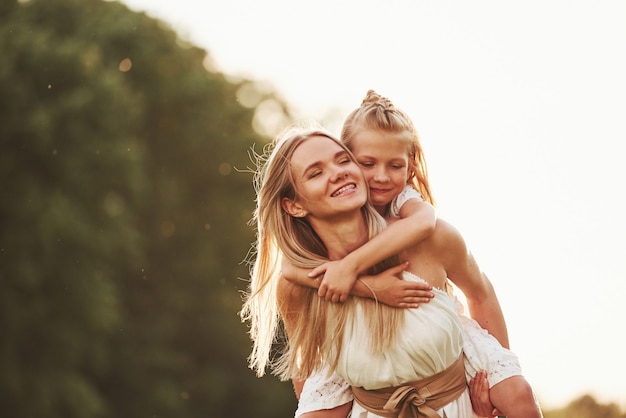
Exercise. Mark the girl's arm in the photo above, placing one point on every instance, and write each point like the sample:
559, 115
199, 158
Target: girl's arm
417, 221
385, 287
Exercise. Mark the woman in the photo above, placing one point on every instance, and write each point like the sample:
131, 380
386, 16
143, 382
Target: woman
312, 207
386, 145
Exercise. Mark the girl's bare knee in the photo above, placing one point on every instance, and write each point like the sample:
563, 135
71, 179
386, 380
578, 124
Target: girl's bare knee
514, 397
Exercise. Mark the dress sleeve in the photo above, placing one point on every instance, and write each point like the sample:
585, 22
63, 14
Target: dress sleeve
323, 391
406, 194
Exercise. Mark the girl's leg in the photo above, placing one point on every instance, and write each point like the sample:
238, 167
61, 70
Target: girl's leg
514, 398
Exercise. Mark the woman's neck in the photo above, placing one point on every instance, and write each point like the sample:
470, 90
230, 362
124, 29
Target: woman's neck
341, 236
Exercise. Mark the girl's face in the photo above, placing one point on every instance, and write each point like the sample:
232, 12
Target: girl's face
384, 159
328, 182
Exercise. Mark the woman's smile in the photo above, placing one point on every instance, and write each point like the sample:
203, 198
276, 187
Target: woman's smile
328, 181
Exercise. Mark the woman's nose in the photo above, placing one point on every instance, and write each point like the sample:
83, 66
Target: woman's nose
340, 173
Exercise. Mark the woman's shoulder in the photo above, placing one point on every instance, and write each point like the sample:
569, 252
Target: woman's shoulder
448, 238
445, 230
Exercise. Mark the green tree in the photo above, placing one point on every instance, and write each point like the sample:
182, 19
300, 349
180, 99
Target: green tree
586, 407
123, 221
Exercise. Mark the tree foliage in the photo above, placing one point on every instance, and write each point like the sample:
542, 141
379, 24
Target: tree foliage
123, 221
586, 407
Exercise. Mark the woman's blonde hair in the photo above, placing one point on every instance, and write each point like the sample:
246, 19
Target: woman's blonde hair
319, 325
378, 113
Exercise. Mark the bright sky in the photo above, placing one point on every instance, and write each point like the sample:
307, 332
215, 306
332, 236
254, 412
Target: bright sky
521, 108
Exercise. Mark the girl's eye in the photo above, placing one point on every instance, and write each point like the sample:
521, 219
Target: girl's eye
314, 174
397, 167
345, 161
366, 164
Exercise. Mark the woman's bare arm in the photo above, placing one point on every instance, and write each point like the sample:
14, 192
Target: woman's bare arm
462, 269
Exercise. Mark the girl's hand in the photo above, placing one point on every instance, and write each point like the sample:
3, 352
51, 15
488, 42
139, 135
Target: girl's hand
337, 281
395, 292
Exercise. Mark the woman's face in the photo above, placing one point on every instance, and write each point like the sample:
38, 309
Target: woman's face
328, 182
384, 159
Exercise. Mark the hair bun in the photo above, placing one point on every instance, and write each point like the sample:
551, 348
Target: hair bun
373, 98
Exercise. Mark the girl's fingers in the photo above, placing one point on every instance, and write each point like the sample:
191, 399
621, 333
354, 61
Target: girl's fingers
317, 271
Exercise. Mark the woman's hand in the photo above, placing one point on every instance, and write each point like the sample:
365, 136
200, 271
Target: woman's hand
479, 394
387, 288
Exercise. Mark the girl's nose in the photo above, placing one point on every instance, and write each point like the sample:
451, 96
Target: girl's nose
381, 176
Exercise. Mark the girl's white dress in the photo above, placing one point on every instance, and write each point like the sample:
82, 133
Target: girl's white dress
435, 335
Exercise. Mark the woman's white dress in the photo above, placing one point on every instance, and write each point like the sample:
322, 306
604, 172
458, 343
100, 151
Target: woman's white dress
431, 340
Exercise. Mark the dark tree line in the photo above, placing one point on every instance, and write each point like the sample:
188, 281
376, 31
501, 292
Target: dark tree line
123, 222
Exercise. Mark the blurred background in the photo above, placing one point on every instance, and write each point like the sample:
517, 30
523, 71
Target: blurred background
126, 195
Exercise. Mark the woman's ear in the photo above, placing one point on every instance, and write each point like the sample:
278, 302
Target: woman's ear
293, 208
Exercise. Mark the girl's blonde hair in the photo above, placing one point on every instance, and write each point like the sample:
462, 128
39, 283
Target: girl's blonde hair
378, 113
319, 325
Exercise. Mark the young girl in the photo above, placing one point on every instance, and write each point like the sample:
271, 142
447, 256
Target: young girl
385, 143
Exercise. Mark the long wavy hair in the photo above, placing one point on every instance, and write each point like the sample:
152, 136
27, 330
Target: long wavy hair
320, 326
378, 113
